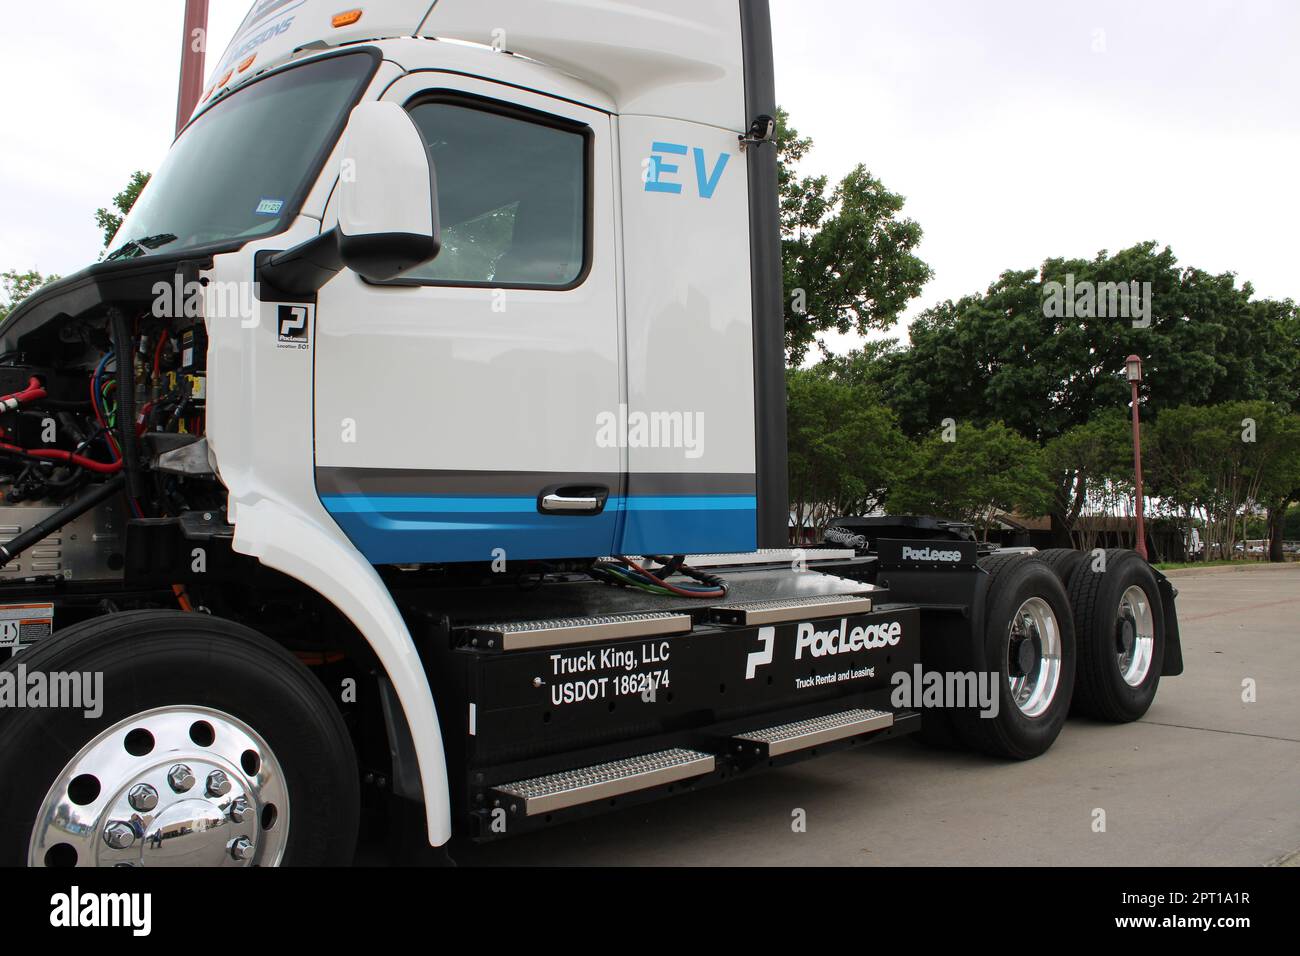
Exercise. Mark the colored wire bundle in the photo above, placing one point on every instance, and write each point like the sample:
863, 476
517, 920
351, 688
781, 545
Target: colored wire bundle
99, 391
627, 573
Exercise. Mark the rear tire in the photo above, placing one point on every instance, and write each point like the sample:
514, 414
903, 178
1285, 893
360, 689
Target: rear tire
1028, 645
195, 692
1064, 561
1120, 622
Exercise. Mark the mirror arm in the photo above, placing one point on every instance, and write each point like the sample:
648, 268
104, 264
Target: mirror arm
300, 271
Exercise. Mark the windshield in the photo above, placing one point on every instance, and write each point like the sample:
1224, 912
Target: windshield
243, 168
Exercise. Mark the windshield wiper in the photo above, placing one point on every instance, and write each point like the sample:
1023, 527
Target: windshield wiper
133, 248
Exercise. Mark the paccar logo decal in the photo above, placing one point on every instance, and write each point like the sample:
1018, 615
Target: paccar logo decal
929, 554
659, 174
294, 326
757, 659
842, 640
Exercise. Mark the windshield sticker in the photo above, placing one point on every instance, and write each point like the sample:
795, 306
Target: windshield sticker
269, 207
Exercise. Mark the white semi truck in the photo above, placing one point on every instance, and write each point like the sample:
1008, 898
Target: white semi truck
418, 453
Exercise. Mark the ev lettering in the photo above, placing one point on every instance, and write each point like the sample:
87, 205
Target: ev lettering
841, 640
662, 173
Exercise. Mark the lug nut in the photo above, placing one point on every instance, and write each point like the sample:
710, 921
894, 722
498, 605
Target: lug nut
119, 835
180, 777
143, 798
218, 784
241, 849
238, 810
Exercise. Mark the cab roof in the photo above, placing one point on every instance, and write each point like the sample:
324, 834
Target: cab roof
681, 59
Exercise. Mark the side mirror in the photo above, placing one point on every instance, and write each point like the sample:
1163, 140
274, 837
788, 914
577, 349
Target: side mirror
388, 210
388, 194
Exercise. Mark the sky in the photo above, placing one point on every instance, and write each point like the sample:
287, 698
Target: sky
1017, 130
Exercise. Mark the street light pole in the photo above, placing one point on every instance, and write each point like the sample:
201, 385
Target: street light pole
1133, 366
193, 45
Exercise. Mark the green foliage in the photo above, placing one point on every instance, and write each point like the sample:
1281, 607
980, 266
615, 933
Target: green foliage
846, 449
1225, 460
1000, 355
18, 286
108, 220
1291, 523
984, 471
848, 255
1091, 465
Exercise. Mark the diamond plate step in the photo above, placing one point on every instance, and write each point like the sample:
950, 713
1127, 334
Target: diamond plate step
802, 734
790, 609
600, 782
528, 635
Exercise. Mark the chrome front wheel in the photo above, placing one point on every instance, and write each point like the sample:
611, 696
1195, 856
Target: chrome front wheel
196, 742
171, 786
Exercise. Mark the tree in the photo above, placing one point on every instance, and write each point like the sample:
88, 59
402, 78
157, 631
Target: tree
1004, 354
1226, 462
848, 255
1009, 354
845, 449
983, 472
18, 286
1291, 524
108, 220
1091, 466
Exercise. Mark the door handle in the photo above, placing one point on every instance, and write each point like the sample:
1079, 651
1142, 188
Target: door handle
573, 501
560, 503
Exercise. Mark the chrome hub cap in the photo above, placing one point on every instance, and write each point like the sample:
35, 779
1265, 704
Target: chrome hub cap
1135, 636
1033, 657
173, 786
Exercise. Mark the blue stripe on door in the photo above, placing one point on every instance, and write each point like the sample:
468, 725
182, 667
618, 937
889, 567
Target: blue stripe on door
426, 529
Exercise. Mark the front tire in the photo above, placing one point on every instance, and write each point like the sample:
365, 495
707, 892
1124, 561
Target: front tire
214, 746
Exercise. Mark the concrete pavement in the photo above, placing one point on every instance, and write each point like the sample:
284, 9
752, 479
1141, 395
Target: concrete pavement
1204, 779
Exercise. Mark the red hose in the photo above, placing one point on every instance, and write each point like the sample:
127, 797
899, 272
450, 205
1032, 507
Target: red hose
57, 454
33, 391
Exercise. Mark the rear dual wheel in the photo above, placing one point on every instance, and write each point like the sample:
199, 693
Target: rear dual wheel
214, 747
1120, 620
1028, 651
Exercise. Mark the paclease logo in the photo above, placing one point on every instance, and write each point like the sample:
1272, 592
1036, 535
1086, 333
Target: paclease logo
845, 640
929, 554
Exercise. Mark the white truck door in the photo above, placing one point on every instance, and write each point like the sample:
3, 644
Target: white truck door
457, 408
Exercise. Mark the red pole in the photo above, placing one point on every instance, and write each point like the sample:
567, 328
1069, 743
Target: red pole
193, 45
1137, 469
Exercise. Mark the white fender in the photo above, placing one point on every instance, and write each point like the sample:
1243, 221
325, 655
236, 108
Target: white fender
285, 540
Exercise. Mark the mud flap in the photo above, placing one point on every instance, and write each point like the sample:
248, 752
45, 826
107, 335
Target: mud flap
1173, 665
